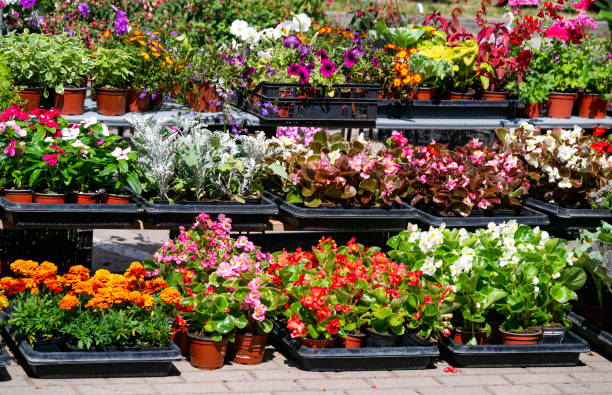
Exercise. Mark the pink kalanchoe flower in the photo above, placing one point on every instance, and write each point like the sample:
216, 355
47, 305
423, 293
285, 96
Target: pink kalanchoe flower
514, 3
582, 4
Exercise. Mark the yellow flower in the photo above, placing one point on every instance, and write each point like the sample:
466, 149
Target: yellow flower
145, 55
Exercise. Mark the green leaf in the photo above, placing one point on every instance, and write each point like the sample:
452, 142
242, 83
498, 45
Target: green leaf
562, 294
224, 326
382, 313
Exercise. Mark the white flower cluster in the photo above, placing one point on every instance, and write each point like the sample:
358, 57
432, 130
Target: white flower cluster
250, 35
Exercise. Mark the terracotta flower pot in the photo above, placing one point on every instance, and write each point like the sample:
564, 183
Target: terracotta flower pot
593, 313
71, 102
351, 341
248, 349
462, 96
206, 353
110, 198
157, 102
318, 343
111, 102
19, 195
521, 338
592, 106
488, 95
135, 103
532, 110
425, 93
32, 98
179, 337
462, 337
204, 99
50, 198
560, 105
85, 198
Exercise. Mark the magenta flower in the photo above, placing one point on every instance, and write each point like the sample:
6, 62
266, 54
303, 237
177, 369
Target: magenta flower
375, 62
304, 75
350, 59
305, 51
83, 10
327, 68
292, 41
557, 31
11, 150
294, 69
50, 159
321, 54
28, 3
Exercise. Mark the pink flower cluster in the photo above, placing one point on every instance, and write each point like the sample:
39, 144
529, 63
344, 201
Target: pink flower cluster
571, 29
303, 135
514, 3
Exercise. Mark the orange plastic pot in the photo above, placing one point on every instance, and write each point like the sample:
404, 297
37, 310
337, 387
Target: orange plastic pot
520, 338
318, 343
532, 110
204, 99
111, 102
71, 102
592, 106
425, 93
109, 198
351, 341
487, 95
179, 337
206, 353
462, 96
31, 97
135, 103
85, 198
462, 337
19, 195
248, 349
560, 105
49, 198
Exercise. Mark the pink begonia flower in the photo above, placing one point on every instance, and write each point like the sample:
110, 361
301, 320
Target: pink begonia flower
252, 298
583, 20
11, 150
557, 31
484, 204
514, 3
260, 312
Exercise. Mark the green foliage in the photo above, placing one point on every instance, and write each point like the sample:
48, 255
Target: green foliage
27, 56
112, 68
69, 64
8, 93
595, 67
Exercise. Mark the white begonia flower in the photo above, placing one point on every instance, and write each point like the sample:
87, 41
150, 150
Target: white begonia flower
545, 236
105, 131
334, 156
536, 289
303, 22
49, 139
565, 183
556, 275
69, 133
89, 121
264, 54
361, 139
238, 26
536, 281
121, 154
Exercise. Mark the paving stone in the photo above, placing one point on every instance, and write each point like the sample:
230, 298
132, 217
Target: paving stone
420, 373
258, 386
601, 366
590, 388
594, 377
364, 374
113, 389
562, 369
385, 391
162, 380
217, 375
539, 378
535, 389
16, 381
284, 373
190, 388
404, 382
340, 384
92, 381
592, 356
450, 390
454, 379
47, 390
483, 371
320, 392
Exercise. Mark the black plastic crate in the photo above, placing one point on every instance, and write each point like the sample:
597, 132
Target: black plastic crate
599, 339
371, 219
462, 109
63, 247
570, 218
566, 353
70, 214
249, 216
351, 104
478, 219
5, 358
405, 357
81, 364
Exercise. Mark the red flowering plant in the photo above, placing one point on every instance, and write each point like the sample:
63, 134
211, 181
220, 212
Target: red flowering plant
222, 280
470, 177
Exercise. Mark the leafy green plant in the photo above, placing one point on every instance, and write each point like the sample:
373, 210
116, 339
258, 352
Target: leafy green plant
111, 68
27, 56
435, 73
561, 63
69, 64
8, 92
595, 67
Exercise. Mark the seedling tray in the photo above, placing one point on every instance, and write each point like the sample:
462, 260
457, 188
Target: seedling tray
462, 109
339, 218
249, 216
597, 337
73, 215
344, 359
570, 218
353, 105
80, 364
477, 219
566, 353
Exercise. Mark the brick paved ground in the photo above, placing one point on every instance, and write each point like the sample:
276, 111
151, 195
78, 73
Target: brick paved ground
278, 376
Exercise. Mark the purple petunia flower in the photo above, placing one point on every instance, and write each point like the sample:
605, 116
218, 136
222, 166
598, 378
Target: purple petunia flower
375, 62
358, 52
292, 41
321, 54
350, 58
28, 3
294, 69
304, 75
121, 22
35, 20
305, 51
83, 10
327, 68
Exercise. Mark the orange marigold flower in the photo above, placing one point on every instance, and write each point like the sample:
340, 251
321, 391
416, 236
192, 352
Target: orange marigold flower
135, 270
68, 302
23, 267
102, 277
403, 54
170, 296
84, 287
417, 78
53, 284
136, 297
12, 285
397, 82
152, 286
148, 302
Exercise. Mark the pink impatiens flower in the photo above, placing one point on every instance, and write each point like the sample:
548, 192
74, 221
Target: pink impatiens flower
11, 150
50, 159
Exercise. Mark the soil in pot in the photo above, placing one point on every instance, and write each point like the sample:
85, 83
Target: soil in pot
31, 97
85, 198
248, 349
205, 352
488, 95
318, 343
19, 195
110, 198
462, 96
71, 102
375, 339
111, 102
560, 105
592, 106
50, 198
351, 341
462, 337
528, 336
532, 110
136, 102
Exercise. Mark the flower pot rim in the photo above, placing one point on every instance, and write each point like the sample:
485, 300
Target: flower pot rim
4, 190
30, 88
73, 89
381, 334
117, 90
563, 93
49, 194
207, 338
459, 329
513, 333
469, 92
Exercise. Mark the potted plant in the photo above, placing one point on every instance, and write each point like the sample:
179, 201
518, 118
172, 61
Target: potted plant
67, 74
435, 74
110, 78
562, 64
533, 91
463, 56
595, 78
8, 91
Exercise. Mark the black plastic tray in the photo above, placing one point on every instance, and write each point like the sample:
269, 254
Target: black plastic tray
527, 216
571, 218
244, 216
5, 359
597, 337
80, 364
462, 109
70, 214
340, 218
566, 353
344, 359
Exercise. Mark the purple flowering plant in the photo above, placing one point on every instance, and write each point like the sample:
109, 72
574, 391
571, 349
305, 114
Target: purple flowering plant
223, 281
